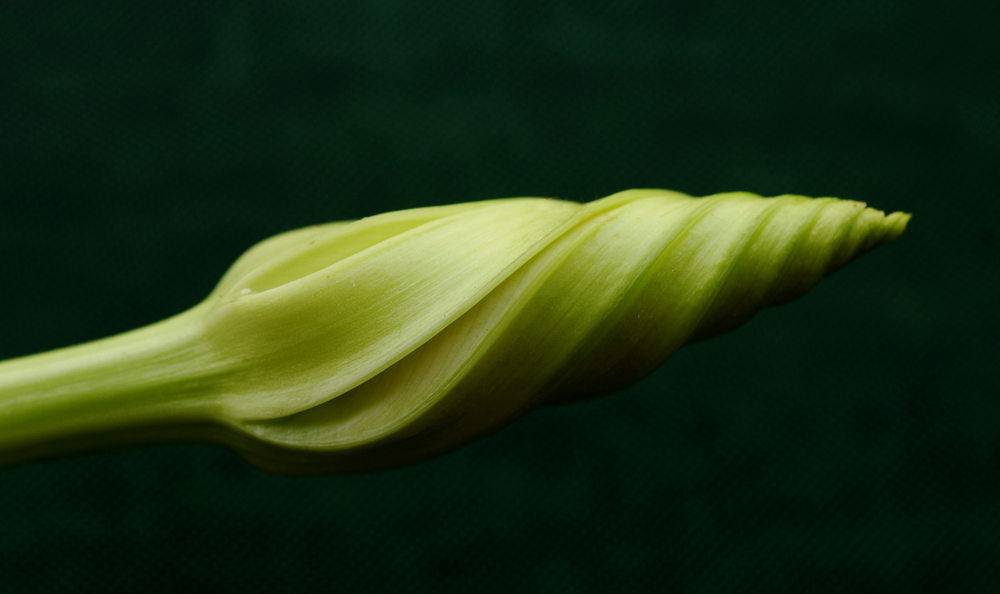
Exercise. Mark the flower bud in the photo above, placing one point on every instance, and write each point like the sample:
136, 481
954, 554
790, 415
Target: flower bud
367, 345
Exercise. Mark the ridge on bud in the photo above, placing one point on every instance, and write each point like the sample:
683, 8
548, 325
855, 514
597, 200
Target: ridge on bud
366, 345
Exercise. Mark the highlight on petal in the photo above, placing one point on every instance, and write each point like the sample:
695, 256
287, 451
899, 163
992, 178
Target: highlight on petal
310, 333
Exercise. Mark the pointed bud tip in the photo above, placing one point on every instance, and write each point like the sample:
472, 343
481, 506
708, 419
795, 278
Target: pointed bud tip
885, 228
895, 224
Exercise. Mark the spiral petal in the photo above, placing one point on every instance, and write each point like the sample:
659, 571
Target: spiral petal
626, 283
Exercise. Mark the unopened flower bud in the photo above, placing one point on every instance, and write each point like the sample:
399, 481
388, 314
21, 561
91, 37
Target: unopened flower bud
367, 345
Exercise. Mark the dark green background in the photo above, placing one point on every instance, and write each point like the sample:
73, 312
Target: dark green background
846, 442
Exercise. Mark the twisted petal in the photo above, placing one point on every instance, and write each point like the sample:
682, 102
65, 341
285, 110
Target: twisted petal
318, 319
414, 332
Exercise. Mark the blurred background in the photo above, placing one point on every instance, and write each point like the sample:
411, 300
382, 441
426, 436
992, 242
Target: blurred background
845, 442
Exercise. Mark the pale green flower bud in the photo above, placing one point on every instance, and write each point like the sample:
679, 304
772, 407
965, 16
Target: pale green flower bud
368, 345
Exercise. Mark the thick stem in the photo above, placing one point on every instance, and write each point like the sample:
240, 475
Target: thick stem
119, 391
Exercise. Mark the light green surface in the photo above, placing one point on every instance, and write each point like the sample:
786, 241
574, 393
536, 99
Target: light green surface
367, 345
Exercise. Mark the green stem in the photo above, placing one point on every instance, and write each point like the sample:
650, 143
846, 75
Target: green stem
124, 390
